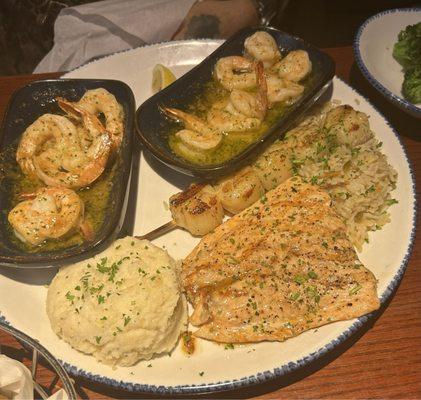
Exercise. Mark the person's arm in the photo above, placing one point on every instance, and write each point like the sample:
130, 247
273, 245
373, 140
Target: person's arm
217, 19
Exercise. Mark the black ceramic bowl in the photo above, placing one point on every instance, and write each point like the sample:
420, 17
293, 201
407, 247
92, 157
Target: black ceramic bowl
25, 106
153, 126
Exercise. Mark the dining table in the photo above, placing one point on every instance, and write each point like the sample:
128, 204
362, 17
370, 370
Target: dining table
382, 360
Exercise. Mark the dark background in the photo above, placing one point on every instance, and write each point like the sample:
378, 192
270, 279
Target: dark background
26, 26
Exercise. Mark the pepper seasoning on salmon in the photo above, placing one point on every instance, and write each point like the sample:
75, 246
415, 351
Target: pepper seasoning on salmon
280, 267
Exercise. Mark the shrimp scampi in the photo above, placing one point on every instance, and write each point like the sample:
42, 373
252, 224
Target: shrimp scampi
262, 47
65, 153
235, 72
243, 110
247, 96
89, 127
49, 213
197, 135
101, 101
89, 168
45, 134
50, 150
282, 90
295, 66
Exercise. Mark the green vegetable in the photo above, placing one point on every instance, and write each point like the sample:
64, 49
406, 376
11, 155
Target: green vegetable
407, 51
411, 87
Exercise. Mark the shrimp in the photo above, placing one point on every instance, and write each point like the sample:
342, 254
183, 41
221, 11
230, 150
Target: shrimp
100, 101
235, 72
198, 135
249, 104
295, 66
50, 150
243, 110
89, 167
49, 213
224, 117
91, 125
197, 209
47, 132
262, 47
240, 190
282, 90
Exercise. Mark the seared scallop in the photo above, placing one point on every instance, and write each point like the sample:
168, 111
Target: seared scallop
240, 190
197, 209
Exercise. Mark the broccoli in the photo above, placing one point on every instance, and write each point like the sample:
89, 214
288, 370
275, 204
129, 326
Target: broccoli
407, 51
411, 88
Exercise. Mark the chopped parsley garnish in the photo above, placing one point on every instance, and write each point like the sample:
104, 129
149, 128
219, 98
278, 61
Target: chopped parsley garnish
300, 279
101, 265
355, 289
295, 296
391, 201
70, 296
311, 274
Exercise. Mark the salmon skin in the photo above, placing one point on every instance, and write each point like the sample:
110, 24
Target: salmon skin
280, 267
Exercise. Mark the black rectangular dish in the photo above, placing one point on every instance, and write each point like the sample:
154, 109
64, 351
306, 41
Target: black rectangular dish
154, 127
28, 104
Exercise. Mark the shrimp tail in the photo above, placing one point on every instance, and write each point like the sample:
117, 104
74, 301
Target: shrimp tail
174, 113
91, 121
27, 196
71, 109
87, 230
262, 88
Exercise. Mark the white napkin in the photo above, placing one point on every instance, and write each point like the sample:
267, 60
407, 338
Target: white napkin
95, 29
16, 381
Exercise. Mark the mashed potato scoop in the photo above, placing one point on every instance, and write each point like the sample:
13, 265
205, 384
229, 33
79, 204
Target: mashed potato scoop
121, 306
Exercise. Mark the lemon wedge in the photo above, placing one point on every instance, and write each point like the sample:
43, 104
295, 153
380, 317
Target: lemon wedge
161, 77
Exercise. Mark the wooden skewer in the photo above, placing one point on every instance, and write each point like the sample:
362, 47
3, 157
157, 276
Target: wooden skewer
168, 227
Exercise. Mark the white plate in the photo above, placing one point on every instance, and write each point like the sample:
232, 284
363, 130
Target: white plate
386, 256
373, 48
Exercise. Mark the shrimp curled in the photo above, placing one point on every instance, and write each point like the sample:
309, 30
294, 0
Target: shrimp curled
235, 72
49, 213
96, 102
197, 135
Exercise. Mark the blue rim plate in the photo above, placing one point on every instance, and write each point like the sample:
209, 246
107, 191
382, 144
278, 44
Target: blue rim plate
160, 379
372, 76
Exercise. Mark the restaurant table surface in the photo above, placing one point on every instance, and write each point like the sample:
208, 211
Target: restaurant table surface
383, 360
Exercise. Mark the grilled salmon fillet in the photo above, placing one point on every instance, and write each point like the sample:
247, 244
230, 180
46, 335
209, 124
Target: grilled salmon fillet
280, 267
